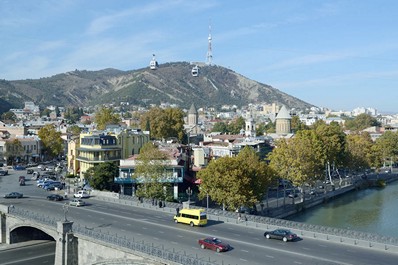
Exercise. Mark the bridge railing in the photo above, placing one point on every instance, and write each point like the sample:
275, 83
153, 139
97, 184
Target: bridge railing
156, 252
47, 220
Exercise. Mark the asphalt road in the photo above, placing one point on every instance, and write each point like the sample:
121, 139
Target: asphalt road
157, 228
32, 253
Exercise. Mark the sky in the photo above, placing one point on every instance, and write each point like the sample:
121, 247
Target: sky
337, 54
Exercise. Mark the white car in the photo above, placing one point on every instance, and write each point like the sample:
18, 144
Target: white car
81, 194
77, 203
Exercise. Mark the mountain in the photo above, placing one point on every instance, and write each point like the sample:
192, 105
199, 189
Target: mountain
170, 82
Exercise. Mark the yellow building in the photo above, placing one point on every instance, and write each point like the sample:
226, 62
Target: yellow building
106, 146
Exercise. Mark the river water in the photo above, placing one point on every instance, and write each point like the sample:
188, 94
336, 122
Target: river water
373, 210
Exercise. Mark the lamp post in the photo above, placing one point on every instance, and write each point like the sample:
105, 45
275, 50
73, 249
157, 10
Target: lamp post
189, 193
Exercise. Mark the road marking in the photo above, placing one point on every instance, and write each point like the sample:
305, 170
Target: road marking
243, 250
268, 256
245, 260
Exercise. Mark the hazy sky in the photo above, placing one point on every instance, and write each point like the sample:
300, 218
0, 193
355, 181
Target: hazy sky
339, 54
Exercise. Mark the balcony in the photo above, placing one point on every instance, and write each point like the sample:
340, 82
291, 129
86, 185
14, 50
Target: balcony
98, 159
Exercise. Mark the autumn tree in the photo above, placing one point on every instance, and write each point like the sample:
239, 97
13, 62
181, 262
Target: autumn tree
14, 150
51, 139
333, 141
386, 147
150, 171
298, 159
164, 123
102, 175
360, 150
236, 181
105, 116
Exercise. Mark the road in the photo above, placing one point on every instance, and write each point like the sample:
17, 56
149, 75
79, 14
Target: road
32, 253
158, 228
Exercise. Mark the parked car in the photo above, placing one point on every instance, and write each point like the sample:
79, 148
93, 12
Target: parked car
19, 167
3, 172
13, 195
81, 194
77, 202
29, 171
282, 234
55, 197
214, 243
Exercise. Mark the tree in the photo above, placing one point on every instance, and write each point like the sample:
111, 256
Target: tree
46, 112
386, 147
333, 142
298, 159
14, 150
220, 127
360, 150
73, 114
297, 125
360, 122
150, 171
9, 116
164, 123
51, 139
101, 176
235, 126
236, 181
106, 116
74, 130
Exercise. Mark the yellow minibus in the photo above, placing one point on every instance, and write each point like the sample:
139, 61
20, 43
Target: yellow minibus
192, 217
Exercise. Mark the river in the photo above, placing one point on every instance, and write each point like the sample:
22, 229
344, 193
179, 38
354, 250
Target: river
373, 210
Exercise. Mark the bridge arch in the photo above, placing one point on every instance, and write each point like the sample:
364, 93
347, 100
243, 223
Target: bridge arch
28, 233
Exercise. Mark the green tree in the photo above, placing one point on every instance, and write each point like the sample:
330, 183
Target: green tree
164, 123
9, 116
360, 122
333, 141
298, 159
105, 116
14, 149
150, 170
74, 130
73, 114
51, 139
386, 147
297, 125
220, 127
360, 150
236, 125
236, 181
46, 112
101, 176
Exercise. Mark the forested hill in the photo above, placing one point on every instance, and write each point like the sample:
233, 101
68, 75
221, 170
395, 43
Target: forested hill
171, 82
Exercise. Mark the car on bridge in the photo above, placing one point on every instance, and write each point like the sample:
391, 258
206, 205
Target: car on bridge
77, 202
282, 234
214, 243
15, 195
55, 197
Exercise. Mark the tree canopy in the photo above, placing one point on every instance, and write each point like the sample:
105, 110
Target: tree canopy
101, 176
163, 123
150, 169
51, 139
105, 116
360, 122
236, 181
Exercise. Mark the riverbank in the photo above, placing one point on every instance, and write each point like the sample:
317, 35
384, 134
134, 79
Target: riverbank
293, 206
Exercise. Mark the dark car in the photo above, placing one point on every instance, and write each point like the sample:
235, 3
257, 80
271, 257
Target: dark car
55, 197
13, 195
282, 234
29, 171
213, 243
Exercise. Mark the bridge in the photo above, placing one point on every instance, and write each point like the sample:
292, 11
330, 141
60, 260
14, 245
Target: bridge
77, 244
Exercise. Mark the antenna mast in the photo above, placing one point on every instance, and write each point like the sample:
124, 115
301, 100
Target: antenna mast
209, 55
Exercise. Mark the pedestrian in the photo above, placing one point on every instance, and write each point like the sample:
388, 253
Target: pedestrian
160, 204
239, 217
177, 211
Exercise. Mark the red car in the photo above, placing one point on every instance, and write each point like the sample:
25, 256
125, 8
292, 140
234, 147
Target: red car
214, 243
283, 234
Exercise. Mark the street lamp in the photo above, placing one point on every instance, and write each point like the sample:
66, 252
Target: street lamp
189, 193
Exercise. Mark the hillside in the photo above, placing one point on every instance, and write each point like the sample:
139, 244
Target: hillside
171, 82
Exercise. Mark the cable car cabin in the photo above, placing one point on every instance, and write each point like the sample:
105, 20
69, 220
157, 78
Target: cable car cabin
195, 71
153, 64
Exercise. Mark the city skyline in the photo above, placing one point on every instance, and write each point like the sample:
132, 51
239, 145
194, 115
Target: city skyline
334, 54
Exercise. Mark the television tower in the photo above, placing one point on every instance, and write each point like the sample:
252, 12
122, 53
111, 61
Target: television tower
209, 55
